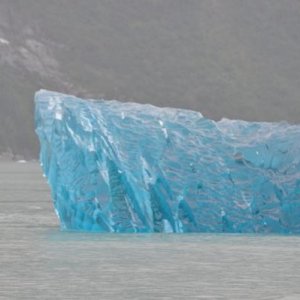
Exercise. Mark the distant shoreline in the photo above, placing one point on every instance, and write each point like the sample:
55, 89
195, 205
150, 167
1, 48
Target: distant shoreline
15, 158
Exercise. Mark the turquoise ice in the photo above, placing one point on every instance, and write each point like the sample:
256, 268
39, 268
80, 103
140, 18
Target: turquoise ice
128, 167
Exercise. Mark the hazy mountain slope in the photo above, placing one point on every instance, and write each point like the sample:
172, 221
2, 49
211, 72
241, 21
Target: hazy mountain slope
238, 59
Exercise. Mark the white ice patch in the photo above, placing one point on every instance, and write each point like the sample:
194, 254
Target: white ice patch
165, 132
86, 123
55, 103
164, 129
91, 147
58, 114
105, 175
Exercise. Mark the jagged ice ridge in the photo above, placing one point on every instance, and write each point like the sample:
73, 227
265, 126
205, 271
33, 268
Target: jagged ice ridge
127, 167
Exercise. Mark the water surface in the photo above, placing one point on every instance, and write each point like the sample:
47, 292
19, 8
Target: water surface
38, 261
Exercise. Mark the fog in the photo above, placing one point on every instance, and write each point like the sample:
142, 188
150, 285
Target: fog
234, 59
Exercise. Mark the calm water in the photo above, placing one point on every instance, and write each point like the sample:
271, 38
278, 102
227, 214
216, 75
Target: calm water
37, 261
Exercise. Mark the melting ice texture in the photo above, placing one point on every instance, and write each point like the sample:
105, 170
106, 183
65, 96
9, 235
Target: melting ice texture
127, 167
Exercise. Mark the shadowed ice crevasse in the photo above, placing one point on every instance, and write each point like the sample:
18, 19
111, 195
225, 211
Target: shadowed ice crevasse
127, 167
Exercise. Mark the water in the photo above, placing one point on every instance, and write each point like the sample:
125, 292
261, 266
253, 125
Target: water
37, 261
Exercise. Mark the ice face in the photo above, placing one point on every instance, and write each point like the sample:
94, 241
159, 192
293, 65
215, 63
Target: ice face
127, 167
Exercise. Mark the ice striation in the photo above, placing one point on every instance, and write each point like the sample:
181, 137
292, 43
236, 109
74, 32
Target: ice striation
127, 167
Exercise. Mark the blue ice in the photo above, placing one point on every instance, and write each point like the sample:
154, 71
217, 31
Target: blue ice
128, 167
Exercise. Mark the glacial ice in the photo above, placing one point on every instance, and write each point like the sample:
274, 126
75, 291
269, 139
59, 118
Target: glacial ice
127, 167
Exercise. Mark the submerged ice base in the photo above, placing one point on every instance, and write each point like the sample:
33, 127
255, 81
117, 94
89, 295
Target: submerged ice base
127, 167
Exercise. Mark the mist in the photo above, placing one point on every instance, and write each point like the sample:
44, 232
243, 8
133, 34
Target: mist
233, 59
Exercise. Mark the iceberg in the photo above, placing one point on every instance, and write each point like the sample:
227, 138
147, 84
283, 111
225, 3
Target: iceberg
128, 167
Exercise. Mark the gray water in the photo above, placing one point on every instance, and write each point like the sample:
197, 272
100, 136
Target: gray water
38, 261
